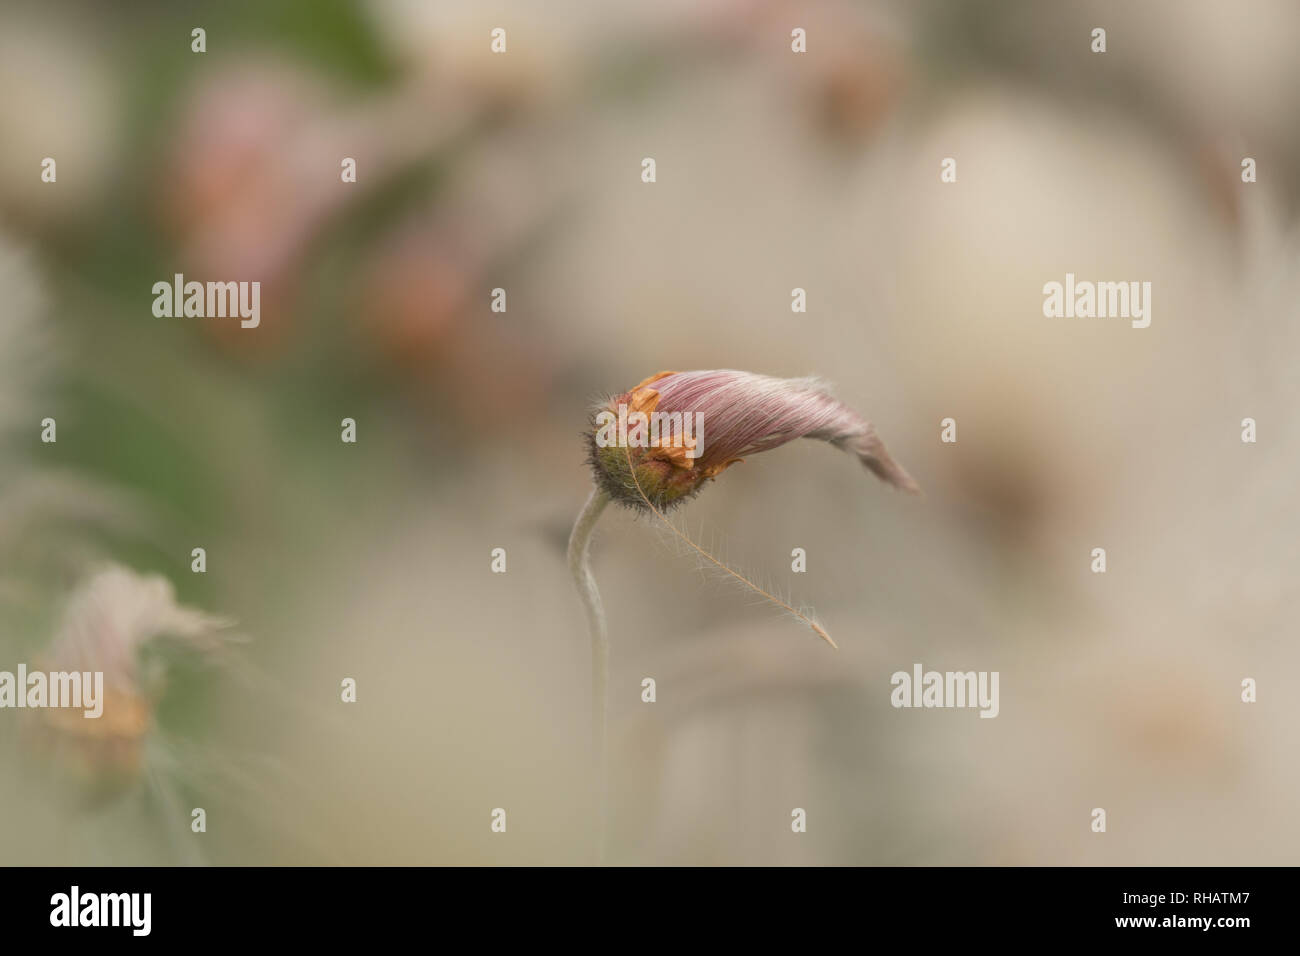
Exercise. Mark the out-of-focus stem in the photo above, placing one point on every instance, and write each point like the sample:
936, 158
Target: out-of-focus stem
580, 568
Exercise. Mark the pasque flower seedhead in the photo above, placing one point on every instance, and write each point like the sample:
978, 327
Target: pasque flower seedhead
669, 435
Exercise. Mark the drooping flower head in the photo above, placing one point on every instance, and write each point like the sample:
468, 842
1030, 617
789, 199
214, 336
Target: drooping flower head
667, 436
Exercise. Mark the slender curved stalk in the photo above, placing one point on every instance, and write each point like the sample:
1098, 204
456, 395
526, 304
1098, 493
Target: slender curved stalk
726, 568
580, 568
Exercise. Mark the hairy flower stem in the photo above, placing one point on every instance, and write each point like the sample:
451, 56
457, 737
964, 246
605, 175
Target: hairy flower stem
580, 568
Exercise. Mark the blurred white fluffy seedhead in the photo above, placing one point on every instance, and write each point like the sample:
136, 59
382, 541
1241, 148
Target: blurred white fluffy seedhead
108, 621
115, 613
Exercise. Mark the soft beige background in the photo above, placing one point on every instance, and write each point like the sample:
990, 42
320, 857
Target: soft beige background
774, 171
